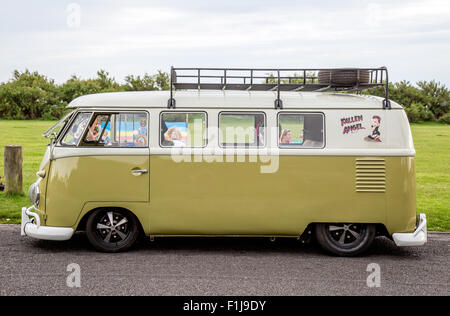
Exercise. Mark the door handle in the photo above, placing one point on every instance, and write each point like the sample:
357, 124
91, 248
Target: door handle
138, 173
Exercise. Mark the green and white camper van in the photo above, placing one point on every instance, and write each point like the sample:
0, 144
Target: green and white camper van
233, 152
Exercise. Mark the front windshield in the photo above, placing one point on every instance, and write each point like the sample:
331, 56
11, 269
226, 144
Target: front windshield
56, 129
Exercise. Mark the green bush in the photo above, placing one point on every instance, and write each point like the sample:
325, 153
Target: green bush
445, 119
418, 113
160, 81
427, 102
437, 97
28, 96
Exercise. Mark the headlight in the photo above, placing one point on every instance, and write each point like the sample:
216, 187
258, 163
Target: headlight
41, 174
34, 193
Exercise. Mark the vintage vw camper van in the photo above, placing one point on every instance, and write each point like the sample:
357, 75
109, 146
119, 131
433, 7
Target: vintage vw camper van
242, 155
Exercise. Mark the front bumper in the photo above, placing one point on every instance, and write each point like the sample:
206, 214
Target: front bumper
31, 227
418, 238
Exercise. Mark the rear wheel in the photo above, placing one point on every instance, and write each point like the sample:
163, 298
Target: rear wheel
112, 230
345, 239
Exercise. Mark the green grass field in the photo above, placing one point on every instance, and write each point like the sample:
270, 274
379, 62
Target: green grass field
433, 167
432, 142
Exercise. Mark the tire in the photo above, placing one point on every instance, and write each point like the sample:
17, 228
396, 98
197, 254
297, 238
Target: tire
118, 239
345, 240
344, 78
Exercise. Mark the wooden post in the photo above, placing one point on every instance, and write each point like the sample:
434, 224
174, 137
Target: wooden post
13, 169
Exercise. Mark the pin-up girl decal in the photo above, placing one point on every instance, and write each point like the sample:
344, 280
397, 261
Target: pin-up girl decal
375, 136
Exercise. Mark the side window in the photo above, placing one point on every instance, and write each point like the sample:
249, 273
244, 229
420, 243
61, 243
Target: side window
301, 130
98, 130
131, 130
76, 130
242, 129
116, 130
183, 130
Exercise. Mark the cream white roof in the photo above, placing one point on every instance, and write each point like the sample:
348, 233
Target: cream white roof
229, 99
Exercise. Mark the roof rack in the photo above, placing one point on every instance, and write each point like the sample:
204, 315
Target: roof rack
279, 80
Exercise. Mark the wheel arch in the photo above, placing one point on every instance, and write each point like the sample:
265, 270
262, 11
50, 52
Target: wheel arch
381, 229
83, 222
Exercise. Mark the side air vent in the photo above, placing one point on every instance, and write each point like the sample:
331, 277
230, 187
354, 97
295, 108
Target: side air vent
371, 175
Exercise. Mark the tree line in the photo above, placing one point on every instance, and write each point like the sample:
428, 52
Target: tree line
427, 101
31, 95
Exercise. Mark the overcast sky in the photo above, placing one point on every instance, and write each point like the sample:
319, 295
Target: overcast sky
60, 38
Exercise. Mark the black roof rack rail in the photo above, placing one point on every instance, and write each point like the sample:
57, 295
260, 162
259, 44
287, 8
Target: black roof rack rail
279, 80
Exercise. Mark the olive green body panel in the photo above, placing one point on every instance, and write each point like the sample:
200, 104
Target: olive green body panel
223, 198
76, 181
401, 195
230, 198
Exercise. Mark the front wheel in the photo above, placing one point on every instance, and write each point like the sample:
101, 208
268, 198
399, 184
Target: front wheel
112, 230
345, 240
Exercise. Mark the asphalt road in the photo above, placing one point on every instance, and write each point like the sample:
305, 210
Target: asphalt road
218, 267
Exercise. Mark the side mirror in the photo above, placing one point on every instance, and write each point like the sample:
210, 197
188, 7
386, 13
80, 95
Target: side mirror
53, 138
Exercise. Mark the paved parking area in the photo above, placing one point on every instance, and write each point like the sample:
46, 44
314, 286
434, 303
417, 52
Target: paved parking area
219, 266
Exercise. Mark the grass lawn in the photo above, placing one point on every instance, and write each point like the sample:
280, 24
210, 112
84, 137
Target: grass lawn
432, 143
28, 135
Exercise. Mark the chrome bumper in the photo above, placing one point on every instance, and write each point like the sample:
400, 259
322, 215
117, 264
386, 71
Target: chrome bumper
418, 238
31, 227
